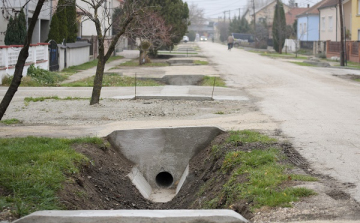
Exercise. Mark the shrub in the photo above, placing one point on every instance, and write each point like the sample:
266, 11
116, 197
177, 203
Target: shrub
43, 77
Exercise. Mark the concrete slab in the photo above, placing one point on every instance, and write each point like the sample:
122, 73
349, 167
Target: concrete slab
134, 216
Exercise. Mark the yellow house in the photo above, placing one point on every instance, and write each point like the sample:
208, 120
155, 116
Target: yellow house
355, 20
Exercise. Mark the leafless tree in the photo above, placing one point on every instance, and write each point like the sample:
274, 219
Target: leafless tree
24, 53
98, 12
196, 15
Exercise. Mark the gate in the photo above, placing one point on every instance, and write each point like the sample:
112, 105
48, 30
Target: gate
54, 56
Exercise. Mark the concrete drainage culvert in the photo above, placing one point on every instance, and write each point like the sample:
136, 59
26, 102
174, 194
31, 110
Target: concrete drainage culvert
161, 157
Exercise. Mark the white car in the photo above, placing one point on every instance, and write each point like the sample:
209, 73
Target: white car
185, 39
203, 38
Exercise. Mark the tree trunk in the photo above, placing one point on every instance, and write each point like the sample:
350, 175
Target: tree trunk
95, 97
19, 67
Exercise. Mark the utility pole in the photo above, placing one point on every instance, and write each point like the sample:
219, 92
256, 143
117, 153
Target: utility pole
224, 16
342, 54
255, 20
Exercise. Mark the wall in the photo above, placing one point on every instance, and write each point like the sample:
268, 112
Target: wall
38, 55
355, 22
74, 55
325, 32
301, 32
313, 28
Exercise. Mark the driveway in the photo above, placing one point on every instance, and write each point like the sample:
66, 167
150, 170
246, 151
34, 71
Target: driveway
317, 111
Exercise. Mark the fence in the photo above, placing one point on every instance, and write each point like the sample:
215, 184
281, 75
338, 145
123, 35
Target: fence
38, 55
307, 45
352, 49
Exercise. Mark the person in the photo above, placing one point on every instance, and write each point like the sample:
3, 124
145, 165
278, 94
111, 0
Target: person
230, 41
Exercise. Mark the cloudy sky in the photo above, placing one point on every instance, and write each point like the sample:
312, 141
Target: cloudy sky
216, 8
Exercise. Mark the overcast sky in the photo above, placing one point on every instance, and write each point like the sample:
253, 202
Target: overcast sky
216, 8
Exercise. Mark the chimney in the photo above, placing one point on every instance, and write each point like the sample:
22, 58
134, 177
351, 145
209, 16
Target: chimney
308, 5
296, 5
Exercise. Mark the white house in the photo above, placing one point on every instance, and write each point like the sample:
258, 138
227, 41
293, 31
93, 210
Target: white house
13, 7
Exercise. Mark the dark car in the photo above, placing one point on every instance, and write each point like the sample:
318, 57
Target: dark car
242, 37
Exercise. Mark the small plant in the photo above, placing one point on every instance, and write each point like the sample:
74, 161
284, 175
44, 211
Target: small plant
219, 113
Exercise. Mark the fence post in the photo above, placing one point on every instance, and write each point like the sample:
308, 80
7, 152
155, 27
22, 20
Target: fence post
358, 49
327, 47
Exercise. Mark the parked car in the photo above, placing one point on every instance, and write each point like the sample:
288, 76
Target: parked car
185, 39
203, 38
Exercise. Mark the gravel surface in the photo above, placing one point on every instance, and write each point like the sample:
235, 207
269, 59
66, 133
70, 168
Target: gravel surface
79, 112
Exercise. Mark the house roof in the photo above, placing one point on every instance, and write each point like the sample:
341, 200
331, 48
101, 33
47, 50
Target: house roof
329, 3
290, 16
314, 9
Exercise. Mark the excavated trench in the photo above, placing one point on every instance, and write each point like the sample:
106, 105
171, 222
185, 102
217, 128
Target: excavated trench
161, 157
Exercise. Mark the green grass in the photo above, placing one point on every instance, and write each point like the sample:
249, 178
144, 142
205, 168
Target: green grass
113, 80
31, 99
161, 53
247, 136
209, 81
303, 64
87, 65
201, 62
12, 121
135, 63
283, 55
257, 176
219, 113
32, 171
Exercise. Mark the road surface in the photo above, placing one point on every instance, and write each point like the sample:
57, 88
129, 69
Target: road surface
316, 110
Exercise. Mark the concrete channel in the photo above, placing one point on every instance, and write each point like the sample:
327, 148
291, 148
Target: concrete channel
161, 157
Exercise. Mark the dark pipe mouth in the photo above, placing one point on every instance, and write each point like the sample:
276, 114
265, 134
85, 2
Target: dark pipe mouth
164, 179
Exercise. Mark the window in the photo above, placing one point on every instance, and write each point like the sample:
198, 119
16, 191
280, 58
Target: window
358, 7
301, 28
358, 34
330, 23
323, 25
305, 30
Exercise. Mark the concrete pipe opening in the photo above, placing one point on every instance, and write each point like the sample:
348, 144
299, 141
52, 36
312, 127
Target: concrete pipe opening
164, 179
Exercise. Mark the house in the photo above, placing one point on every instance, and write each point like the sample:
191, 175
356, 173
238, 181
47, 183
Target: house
355, 20
290, 16
87, 27
265, 14
12, 8
308, 23
330, 20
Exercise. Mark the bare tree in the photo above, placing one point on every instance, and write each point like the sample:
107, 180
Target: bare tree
24, 53
196, 16
98, 12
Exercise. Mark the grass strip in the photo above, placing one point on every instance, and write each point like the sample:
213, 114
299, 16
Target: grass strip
113, 80
12, 121
258, 176
209, 81
31, 99
33, 169
135, 63
303, 64
201, 62
88, 65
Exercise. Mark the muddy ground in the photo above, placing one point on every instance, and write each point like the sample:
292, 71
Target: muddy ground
105, 185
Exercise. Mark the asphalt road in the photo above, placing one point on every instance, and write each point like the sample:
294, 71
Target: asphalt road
316, 110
